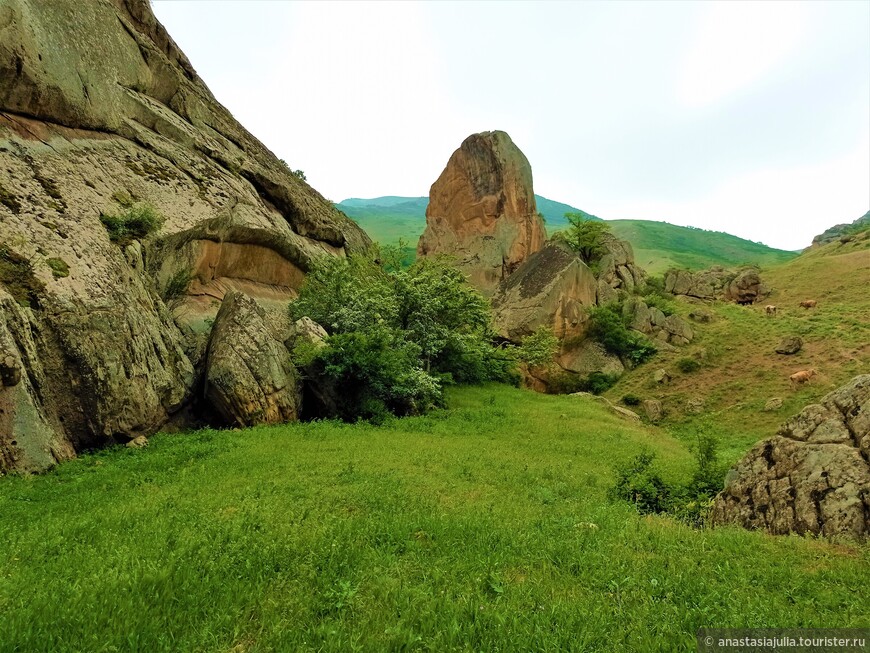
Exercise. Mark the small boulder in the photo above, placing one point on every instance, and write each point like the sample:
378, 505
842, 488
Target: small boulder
661, 376
249, 377
139, 442
772, 404
701, 315
695, 405
653, 409
307, 330
590, 356
790, 345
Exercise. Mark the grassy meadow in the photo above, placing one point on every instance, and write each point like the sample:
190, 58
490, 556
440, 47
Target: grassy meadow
484, 526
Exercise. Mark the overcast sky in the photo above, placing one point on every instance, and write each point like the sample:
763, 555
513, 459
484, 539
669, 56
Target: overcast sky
746, 117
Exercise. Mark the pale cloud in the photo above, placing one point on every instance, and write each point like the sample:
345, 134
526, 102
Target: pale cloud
736, 44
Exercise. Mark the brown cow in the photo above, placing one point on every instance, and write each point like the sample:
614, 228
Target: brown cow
808, 303
770, 309
801, 377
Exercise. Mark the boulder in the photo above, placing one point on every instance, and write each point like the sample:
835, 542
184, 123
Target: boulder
249, 378
101, 114
661, 376
652, 321
139, 442
482, 210
790, 345
552, 288
653, 409
813, 476
619, 411
705, 284
747, 287
590, 356
307, 330
695, 405
775, 403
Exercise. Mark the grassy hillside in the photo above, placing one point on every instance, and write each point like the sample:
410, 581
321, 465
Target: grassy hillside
740, 370
479, 528
657, 245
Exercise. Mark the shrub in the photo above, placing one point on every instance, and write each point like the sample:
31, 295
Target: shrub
639, 484
660, 302
631, 400
436, 325
609, 328
177, 286
688, 365
540, 348
135, 223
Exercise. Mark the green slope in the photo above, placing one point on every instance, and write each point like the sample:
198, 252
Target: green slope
657, 245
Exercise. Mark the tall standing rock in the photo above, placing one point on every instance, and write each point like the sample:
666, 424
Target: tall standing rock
482, 210
100, 110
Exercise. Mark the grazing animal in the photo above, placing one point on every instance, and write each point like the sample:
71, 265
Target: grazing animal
770, 309
808, 303
803, 376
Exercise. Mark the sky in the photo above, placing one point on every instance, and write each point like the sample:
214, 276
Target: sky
751, 118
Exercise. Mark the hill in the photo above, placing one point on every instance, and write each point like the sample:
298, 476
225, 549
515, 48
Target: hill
485, 526
739, 369
657, 245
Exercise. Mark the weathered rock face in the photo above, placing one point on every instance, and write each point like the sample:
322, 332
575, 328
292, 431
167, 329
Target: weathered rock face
99, 109
617, 270
813, 477
588, 357
249, 377
743, 286
552, 288
650, 320
482, 210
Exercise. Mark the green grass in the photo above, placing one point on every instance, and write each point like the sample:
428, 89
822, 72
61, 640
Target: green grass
482, 527
658, 246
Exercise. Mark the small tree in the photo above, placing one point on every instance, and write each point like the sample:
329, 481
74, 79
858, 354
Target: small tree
587, 237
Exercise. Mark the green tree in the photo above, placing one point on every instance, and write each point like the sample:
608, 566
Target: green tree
587, 237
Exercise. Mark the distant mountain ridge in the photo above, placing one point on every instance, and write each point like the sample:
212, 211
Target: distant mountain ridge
657, 245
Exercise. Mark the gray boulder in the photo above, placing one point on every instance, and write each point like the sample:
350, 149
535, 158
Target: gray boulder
813, 476
249, 377
790, 345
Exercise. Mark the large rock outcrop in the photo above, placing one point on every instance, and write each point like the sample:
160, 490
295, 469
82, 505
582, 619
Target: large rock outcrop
552, 288
617, 270
100, 111
743, 286
813, 477
249, 378
843, 232
482, 210
651, 321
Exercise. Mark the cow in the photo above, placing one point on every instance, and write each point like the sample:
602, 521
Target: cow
801, 377
808, 303
770, 309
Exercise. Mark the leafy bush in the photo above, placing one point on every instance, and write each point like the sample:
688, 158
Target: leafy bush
688, 365
374, 375
660, 302
540, 348
135, 223
563, 383
631, 400
638, 483
609, 328
436, 325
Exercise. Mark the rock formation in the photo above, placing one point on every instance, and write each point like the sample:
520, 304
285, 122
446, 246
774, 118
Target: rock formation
100, 112
482, 210
617, 270
813, 477
651, 321
742, 286
552, 288
843, 232
790, 345
249, 378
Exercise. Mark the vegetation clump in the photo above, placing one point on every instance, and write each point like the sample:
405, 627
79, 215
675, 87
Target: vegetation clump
631, 400
59, 267
16, 274
610, 329
640, 484
396, 336
137, 222
540, 348
586, 237
688, 365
